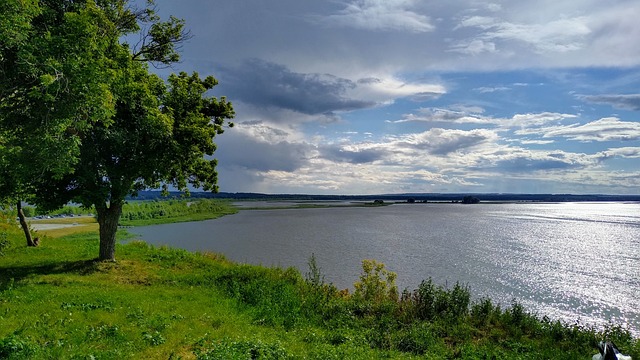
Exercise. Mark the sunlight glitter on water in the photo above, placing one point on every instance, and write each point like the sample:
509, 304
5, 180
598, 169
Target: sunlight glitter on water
581, 259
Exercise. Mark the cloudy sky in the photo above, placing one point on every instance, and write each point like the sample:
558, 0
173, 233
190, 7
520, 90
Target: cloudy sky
395, 96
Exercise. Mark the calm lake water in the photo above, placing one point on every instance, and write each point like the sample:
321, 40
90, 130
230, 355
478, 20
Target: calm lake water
569, 261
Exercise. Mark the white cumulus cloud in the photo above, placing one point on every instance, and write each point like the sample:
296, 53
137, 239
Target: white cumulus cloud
383, 15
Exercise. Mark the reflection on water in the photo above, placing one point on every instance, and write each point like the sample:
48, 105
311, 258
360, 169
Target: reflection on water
569, 261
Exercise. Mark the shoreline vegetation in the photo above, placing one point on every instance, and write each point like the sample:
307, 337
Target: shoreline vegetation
56, 301
419, 197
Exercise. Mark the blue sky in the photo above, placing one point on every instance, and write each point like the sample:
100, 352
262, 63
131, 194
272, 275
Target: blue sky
394, 96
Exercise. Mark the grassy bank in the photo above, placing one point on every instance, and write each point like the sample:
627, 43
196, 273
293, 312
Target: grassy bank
137, 213
159, 303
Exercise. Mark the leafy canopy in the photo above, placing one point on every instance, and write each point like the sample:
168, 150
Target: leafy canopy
82, 118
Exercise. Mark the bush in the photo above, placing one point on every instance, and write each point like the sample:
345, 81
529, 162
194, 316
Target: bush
483, 311
377, 285
430, 302
314, 277
318, 296
16, 347
28, 211
520, 322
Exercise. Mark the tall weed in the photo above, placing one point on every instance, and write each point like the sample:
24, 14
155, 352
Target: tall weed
319, 299
430, 302
4, 242
273, 294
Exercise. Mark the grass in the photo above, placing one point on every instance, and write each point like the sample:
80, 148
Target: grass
66, 220
82, 224
162, 303
139, 213
56, 302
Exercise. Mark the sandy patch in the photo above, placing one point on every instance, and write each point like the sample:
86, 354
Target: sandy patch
41, 226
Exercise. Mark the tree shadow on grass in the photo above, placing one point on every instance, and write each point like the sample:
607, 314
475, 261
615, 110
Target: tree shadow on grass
14, 274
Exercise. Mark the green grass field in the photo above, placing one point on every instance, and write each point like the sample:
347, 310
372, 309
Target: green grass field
56, 302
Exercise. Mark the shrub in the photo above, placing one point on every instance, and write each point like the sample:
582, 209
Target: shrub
520, 322
483, 311
316, 294
377, 285
16, 347
314, 276
28, 211
431, 301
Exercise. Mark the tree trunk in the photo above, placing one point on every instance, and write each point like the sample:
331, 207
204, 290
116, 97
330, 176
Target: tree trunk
24, 225
108, 217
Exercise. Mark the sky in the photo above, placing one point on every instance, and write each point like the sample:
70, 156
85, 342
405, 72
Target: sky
407, 96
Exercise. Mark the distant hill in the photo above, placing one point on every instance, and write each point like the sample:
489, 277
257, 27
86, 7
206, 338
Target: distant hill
418, 197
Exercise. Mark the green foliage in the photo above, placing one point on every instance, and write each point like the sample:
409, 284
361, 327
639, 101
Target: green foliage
149, 212
81, 117
154, 339
17, 347
10, 235
377, 285
244, 350
28, 211
4, 242
65, 210
417, 338
56, 302
319, 299
273, 295
484, 312
52, 83
314, 277
430, 302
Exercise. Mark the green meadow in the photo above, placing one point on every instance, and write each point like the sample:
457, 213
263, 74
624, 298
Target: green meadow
57, 302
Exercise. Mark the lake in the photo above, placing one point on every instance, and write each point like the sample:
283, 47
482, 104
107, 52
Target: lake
569, 261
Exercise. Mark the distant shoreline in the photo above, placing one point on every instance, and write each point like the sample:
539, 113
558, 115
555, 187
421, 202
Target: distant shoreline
418, 197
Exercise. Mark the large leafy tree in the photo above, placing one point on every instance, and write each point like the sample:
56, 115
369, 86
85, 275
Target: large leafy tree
52, 79
118, 128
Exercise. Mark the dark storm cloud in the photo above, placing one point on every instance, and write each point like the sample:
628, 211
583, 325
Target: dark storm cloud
524, 161
524, 164
268, 85
443, 141
339, 154
244, 151
623, 101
